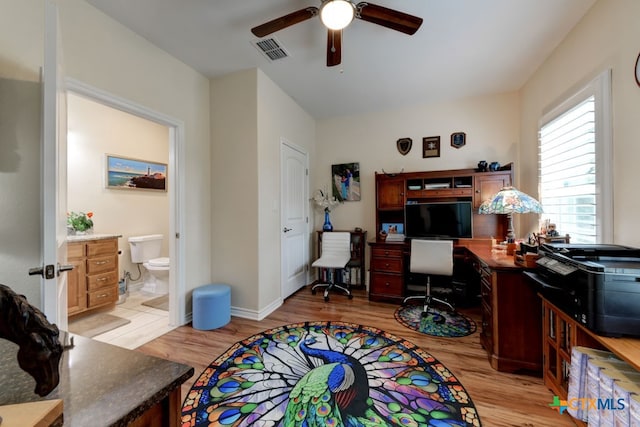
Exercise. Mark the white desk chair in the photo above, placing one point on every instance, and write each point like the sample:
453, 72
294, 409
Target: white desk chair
431, 257
336, 253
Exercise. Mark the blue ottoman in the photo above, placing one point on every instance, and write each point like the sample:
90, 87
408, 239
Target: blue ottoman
211, 306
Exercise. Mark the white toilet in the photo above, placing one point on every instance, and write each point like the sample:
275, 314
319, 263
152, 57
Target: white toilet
145, 250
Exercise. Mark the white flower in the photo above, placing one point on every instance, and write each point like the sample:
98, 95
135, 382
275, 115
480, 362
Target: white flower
323, 200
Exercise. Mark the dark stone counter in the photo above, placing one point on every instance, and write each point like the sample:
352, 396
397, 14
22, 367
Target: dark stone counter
100, 384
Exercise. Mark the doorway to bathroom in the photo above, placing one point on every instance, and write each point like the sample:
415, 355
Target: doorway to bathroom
101, 127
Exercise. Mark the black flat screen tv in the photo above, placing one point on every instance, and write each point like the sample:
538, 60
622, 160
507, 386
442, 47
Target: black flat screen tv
438, 220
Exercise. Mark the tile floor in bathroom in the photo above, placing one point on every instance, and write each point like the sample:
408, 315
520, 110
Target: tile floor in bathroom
147, 323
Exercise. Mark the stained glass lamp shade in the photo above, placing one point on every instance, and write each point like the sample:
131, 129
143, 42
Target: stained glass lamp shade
508, 201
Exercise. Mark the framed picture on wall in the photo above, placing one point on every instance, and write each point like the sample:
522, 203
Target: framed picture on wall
430, 146
135, 174
345, 182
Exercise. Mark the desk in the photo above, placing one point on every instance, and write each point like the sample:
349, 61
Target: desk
511, 330
103, 385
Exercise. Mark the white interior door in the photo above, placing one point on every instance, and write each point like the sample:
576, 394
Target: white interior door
294, 218
54, 182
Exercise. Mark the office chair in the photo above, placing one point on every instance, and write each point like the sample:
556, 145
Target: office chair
335, 255
431, 257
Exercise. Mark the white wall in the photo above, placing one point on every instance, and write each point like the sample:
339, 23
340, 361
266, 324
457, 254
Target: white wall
490, 122
94, 131
104, 54
607, 38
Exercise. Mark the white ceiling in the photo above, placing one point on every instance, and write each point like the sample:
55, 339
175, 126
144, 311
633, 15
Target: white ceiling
464, 47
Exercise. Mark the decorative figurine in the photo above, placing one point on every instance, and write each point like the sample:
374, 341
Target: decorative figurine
40, 350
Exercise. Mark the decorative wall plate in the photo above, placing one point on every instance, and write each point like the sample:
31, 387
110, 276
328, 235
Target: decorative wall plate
458, 139
404, 145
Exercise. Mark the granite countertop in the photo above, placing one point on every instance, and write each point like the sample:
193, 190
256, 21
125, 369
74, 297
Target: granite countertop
89, 237
100, 384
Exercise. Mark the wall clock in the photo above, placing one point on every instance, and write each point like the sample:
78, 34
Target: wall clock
637, 71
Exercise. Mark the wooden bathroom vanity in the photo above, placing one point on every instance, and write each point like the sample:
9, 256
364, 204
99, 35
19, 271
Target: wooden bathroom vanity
93, 282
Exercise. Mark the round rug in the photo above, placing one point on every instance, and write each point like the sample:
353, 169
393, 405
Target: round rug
327, 374
438, 323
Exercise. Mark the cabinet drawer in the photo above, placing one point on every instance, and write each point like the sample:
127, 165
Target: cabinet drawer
102, 247
386, 252
103, 296
102, 264
75, 250
393, 265
102, 280
386, 284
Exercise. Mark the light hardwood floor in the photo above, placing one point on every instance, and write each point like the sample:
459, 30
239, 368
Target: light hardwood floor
501, 399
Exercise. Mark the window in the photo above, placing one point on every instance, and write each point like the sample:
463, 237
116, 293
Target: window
574, 154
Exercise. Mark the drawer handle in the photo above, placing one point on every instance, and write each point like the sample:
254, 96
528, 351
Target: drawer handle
102, 262
103, 295
386, 252
102, 279
387, 284
387, 265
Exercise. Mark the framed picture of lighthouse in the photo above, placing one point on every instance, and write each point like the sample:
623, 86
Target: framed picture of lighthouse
135, 174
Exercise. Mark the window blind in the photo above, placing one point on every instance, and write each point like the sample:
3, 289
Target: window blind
567, 171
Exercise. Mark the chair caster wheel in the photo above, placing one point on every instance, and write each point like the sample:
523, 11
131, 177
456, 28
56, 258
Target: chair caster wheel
326, 299
350, 296
313, 292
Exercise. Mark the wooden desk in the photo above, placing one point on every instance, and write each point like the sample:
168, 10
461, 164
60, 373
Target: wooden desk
103, 385
511, 330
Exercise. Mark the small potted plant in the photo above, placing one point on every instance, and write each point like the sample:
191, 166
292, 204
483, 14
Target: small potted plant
79, 222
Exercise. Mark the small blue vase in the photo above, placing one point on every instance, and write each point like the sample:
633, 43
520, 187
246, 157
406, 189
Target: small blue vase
327, 222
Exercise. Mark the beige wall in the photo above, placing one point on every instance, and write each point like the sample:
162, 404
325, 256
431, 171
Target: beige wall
279, 117
104, 54
234, 187
249, 116
607, 38
94, 131
490, 122
21, 57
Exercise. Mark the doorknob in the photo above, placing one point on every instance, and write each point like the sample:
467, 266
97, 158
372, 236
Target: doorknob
63, 268
287, 229
46, 271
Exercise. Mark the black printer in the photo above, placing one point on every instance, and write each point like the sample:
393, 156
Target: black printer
598, 285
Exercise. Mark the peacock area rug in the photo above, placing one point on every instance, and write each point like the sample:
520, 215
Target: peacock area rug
319, 374
437, 323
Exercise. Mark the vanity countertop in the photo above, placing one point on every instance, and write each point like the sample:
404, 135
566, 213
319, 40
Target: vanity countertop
90, 237
100, 384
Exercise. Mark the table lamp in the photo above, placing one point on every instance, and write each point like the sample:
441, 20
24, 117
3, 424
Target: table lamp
508, 201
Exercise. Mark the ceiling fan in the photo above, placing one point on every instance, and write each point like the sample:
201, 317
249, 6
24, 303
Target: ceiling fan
336, 15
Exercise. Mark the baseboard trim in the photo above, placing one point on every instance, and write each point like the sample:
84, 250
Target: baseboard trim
254, 314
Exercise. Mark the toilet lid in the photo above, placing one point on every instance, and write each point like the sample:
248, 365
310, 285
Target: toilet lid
159, 262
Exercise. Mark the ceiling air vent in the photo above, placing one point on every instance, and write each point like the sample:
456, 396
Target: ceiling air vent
271, 48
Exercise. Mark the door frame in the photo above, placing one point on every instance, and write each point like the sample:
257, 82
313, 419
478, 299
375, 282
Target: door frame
284, 143
177, 280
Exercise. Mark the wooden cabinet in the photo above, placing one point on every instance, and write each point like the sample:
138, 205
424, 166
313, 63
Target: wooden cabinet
487, 185
394, 191
560, 333
390, 193
386, 281
511, 314
353, 274
93, 283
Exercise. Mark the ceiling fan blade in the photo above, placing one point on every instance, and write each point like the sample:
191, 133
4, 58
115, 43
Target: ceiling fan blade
389, 18
284, 21
334, 47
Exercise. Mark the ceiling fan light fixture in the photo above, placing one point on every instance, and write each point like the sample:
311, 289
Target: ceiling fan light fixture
337, 14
